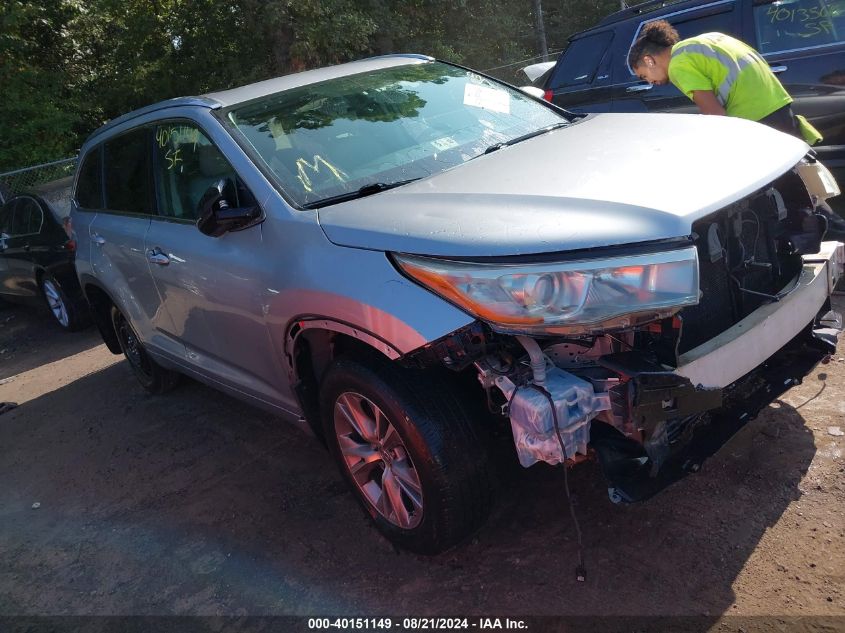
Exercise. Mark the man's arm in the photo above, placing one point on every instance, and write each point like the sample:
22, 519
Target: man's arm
707, 102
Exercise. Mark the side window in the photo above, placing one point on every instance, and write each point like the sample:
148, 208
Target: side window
186, 164
720, 19
126, 174
786, 25
7, 214
89, 186
580, 60
29, 216
23, 217
722, 22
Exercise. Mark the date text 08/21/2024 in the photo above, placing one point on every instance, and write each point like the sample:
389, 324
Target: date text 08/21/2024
430, 624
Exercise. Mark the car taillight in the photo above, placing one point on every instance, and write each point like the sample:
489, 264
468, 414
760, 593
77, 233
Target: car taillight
547, 95
67, 225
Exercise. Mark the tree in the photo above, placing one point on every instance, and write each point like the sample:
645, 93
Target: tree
38, 112
68, 66
540, 30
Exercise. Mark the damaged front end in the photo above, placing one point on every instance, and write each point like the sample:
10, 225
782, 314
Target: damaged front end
727, 320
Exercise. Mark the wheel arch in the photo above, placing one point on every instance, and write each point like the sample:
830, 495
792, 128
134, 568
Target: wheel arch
100, 303
312, 343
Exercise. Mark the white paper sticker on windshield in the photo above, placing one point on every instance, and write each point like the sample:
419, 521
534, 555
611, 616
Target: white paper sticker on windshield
442, 144
487, 98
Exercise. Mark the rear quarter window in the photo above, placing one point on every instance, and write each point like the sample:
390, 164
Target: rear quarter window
89, 185
31, 216
786, 25
581, 59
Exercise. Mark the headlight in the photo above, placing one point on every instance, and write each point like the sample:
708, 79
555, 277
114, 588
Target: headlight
818, 180
562, 296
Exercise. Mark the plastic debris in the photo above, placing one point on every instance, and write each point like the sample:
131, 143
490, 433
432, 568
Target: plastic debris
835, 431
36, 505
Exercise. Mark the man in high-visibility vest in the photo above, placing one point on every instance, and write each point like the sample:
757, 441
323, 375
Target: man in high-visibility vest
721, 74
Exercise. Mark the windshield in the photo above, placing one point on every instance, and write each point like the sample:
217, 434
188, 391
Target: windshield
381, 127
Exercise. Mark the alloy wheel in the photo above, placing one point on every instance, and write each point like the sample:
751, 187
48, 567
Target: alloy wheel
377, 460
55, 302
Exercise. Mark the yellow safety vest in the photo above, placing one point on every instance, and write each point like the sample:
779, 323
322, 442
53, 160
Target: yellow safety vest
739, 77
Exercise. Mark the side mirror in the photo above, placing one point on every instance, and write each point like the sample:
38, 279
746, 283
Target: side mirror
533, 91
217, 215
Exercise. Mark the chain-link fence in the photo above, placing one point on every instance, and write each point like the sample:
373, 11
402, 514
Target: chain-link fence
512, 73
35, 178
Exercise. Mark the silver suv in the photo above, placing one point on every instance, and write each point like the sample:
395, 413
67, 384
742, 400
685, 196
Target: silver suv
412, 260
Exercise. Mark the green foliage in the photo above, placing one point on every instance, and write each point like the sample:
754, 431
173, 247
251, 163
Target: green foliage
38, 111
68, 66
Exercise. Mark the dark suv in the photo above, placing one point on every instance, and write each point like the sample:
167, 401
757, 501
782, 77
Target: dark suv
803, 41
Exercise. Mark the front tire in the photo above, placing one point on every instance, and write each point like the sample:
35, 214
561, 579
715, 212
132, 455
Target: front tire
153, 377
408, 448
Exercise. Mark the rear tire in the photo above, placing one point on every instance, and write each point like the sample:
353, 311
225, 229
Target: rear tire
67, 314
154, 378
405, 443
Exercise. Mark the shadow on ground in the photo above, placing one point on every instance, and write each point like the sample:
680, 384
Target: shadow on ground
195, 503
30, 337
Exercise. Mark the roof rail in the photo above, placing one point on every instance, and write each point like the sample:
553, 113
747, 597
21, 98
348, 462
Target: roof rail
426, 58
630, 12
161, 105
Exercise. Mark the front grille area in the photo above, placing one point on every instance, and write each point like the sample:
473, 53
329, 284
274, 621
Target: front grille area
752, 246
715, 311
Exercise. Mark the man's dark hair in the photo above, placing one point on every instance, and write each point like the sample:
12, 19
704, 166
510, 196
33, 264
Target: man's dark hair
655, 37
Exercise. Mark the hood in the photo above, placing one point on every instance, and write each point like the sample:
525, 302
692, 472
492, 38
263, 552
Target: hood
610, 179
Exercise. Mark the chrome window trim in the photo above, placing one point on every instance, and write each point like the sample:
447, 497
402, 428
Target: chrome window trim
805, 48
665, 16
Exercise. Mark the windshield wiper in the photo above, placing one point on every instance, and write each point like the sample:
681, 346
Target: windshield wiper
362, 192
525, 137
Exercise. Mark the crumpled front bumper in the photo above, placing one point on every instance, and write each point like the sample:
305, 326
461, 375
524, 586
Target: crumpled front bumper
722, 384
738, 350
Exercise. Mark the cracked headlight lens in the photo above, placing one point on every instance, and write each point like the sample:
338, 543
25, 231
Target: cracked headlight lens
563, 295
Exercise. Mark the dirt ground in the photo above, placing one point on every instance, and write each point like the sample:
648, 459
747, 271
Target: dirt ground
193, 503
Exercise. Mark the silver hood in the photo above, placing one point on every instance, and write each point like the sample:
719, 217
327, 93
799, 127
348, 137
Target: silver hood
608, 180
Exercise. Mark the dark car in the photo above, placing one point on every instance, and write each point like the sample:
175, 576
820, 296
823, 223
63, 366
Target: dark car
803, 41
37, 258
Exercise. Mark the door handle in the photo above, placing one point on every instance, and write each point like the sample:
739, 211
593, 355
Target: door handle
155, 256
98, 240
779, 69
639, 88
